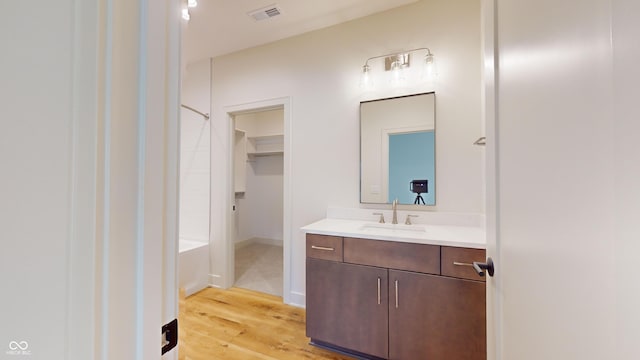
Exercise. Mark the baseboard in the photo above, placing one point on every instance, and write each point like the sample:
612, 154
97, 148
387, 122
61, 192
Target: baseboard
297, 299
243, 243
215, 281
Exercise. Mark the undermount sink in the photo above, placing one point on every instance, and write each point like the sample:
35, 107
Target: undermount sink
393, 227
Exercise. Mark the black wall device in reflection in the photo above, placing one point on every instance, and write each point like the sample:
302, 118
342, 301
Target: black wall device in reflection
418, 187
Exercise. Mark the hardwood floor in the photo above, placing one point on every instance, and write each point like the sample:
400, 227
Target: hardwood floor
243, 324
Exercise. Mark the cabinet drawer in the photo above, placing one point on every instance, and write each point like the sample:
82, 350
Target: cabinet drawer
393, 255
451, 255
324, 247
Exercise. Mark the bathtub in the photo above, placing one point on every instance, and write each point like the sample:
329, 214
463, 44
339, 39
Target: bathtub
193, 265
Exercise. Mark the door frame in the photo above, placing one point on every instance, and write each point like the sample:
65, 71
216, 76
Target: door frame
489, 101
228, 266
126, 255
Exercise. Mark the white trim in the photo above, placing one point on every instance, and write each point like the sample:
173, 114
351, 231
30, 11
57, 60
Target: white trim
297, 299
230, 111
172, 169
104, 185
215, 281
136, 176
142, 213
490, 105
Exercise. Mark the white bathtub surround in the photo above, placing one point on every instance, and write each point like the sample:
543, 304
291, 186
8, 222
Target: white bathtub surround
193, 265
195, 181
195, 135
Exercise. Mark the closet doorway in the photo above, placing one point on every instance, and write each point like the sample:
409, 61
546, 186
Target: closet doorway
258, 217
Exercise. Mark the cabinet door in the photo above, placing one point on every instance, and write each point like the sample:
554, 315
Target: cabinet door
436, 317
347, 306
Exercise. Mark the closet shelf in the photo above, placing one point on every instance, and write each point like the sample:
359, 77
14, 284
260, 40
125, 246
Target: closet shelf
267, 138
266, 145
264, 153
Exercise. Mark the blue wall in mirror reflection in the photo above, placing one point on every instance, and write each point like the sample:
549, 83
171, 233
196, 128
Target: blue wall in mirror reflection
411, 157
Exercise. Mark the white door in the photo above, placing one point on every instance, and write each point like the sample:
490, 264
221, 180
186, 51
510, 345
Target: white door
39, 226
88, 148
139, 215
565, 168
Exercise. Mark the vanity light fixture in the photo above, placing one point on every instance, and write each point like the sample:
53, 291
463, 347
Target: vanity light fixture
185, 8
397, 62
365, 79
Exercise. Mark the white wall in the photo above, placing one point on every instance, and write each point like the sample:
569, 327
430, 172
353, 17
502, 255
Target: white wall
195, 135
259, 209
626, 169
261, 123
320, 71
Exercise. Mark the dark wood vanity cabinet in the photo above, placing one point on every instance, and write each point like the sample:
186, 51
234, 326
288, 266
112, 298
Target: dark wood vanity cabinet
343, 307
390, 300
436, 317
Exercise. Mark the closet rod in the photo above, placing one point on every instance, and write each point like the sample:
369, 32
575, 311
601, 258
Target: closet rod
206, 116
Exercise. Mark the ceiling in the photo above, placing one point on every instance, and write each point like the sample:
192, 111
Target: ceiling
220, 27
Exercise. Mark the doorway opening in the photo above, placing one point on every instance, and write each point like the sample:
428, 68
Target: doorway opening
259, 200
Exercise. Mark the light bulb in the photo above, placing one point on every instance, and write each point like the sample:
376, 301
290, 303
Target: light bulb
365, 79
429, 66
397, 74
192, 3
185, 14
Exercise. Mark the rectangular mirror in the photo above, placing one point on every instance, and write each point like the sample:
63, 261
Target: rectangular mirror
397, 150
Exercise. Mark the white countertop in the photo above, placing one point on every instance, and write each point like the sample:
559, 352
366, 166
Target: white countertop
445, 235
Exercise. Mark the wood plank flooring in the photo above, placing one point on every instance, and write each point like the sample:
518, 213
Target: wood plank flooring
239, 324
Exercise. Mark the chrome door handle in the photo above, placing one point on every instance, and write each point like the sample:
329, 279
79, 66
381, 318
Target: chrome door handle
378, 291
479, 267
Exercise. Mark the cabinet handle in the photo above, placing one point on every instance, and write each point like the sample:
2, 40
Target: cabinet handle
396, 294
322, 248
378, 291
462, 264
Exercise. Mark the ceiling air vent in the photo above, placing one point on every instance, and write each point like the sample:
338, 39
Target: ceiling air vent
265, 13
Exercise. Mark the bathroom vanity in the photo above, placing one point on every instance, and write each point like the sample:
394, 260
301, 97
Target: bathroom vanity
383, 291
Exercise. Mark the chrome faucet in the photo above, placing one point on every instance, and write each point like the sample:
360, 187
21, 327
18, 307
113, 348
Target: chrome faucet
394, 207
